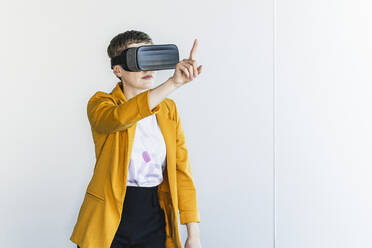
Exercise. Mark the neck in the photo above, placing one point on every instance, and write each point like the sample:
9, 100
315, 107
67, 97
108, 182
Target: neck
130, 92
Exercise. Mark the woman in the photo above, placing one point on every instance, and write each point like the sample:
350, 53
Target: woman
142, 176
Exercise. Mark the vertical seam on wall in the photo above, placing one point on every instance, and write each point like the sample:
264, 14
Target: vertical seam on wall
274, 111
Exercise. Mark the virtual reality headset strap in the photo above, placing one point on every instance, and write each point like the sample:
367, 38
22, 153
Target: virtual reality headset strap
128, 55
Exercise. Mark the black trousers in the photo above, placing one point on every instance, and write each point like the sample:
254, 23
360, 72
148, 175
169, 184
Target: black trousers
142, 223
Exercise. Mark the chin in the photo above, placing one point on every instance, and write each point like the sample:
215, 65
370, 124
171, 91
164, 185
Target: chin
148, 84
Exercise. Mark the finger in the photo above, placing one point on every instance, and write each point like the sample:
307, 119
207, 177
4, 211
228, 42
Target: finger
193, 50
184, 70
187, 66
195, 69
199, 69
192, 65
191, 70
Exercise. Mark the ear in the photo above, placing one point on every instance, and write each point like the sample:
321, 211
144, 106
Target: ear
117, 69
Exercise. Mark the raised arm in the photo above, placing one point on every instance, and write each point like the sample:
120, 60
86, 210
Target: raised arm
105, 116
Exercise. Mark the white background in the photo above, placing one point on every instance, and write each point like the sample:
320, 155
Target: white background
278, 125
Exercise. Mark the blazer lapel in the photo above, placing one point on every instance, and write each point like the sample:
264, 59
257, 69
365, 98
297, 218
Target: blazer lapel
168, 129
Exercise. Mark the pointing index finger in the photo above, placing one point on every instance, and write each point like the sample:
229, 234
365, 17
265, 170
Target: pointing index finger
193, 50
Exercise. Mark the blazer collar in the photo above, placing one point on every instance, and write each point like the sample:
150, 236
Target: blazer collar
118, 92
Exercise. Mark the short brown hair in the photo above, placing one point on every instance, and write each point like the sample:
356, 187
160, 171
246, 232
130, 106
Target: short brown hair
120, 42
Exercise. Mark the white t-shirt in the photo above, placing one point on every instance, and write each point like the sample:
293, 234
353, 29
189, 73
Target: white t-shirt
148, 157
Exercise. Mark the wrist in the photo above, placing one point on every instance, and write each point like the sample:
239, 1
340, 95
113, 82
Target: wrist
173, 83
193, 235
192, 229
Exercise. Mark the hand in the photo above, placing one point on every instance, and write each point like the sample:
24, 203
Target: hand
192, 242
186, 69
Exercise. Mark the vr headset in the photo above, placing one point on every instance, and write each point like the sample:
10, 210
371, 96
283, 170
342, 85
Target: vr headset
148, 58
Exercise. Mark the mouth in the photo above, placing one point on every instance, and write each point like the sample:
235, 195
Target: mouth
147, 77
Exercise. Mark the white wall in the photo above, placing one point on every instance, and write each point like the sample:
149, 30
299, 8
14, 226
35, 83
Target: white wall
323, 102
277, 125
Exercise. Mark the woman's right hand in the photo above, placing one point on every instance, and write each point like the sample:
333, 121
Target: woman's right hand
186, 69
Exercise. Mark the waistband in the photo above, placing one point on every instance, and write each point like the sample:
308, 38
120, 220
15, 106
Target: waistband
153, 190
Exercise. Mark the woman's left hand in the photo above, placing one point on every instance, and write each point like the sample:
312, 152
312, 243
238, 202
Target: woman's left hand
192, 242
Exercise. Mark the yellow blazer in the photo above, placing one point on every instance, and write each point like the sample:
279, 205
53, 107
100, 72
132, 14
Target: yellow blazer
113, 123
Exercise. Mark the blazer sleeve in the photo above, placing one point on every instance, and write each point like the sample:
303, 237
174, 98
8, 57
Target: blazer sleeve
187, 197
106, 116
